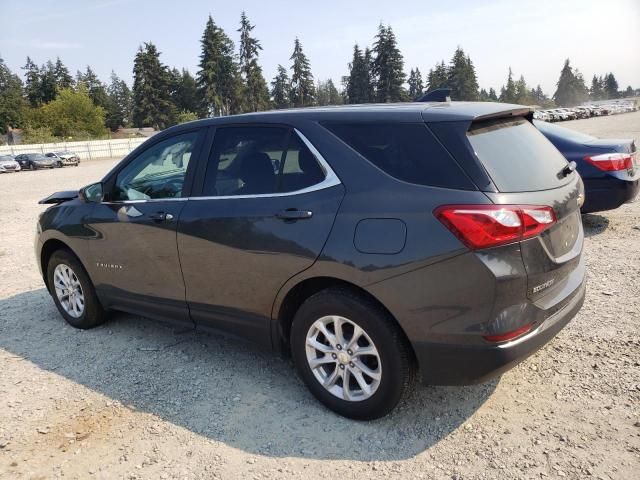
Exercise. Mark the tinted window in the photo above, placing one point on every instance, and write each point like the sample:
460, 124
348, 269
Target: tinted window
406, 151
259, 161
517, 156
158, 172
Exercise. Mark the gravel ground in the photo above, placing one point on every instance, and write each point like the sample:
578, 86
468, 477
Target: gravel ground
134, 399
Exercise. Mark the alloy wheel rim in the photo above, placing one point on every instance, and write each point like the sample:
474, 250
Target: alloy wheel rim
68, 290
343, 358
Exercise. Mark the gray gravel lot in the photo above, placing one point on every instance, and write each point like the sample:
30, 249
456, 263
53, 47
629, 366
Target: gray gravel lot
135, 399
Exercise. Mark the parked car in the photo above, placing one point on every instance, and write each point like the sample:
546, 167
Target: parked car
64, 158
392, 237
8, 164
34, 161
608, 167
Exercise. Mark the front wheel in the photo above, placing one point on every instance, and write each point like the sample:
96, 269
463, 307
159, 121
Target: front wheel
73, 292
351, 354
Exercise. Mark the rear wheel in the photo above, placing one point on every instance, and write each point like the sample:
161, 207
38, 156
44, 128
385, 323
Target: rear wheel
32, 166
351, 354
73, 292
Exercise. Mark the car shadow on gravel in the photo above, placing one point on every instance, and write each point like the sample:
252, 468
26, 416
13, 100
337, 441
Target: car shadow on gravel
594, 224
223, 389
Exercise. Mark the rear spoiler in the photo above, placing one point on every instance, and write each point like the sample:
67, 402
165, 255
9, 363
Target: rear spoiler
59, 197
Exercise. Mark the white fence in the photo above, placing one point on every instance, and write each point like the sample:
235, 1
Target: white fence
86, 150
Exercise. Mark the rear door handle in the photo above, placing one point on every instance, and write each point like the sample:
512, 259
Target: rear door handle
294, 214
161, 217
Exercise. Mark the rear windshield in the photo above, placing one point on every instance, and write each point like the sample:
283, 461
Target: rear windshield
406, 151
517, 157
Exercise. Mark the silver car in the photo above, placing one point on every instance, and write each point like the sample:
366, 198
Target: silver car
8, 164
63, 159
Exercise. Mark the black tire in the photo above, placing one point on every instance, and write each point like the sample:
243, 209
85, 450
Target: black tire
397, 367
93, 313
59, 164
32, 166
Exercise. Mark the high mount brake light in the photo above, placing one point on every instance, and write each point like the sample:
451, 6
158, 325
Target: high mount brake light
611, 162
484, 226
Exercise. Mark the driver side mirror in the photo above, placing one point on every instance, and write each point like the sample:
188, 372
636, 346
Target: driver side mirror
92, 193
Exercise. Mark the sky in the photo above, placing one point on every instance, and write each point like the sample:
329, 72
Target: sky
533, 37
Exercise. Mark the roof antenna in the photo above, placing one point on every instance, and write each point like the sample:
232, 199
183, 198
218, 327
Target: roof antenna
437, 95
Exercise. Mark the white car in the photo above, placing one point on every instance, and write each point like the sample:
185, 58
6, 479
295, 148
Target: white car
8, 164
64, 158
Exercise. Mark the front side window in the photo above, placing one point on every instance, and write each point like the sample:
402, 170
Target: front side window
158, 172
259, 161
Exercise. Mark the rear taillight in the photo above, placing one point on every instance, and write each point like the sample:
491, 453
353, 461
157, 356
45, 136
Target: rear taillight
611, 162
484, 226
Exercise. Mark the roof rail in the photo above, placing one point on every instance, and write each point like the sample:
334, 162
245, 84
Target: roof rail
437, 95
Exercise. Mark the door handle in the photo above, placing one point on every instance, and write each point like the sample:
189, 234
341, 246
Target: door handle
294, 214
161, 217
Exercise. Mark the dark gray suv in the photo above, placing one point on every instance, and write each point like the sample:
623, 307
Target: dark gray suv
366, 241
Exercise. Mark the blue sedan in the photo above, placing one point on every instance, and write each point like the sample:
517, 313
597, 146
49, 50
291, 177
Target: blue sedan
609, 167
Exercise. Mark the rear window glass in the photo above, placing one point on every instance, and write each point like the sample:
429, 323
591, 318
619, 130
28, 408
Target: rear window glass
406, 151
517, 157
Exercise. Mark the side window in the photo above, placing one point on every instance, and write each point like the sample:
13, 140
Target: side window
158, 172
259, 161
406, 151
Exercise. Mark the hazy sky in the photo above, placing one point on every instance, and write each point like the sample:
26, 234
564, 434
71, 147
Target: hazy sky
532, 36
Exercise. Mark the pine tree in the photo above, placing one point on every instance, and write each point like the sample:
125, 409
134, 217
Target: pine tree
462, 77
327, 93
571, 89
184, 91
12, 103
438, 77
358, 84
118, 112
32, 83
257, 92
218, 80
95, 88
596, 91
508, 92
280, 89
370, 78
610, 86
302, 87
628, 91
388, 67
152, 106
416, 86
492, 95
62, 76
523, 95
48, 82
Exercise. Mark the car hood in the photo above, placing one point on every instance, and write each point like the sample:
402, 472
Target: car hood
8, 162
59, 197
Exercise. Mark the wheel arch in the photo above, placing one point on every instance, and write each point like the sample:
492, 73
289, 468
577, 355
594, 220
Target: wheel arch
48, 248
295, 297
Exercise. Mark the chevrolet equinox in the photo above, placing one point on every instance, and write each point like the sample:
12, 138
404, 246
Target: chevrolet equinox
368, 242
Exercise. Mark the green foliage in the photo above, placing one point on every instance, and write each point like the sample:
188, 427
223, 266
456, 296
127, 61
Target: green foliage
32, 83
38, 135
327, 94
72, 114
302, 92
571, 89
438, 77
186, 116
359, 86
152, 106
388, 67
118, 112
416, 86
508, 92
12, 103
280, 89
597, 88
96, 89
610, 86
61, 75
256, 92
462, 78
218, 80
184, 91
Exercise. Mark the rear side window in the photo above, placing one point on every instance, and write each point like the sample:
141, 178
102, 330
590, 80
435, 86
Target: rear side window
406, 151
517, 157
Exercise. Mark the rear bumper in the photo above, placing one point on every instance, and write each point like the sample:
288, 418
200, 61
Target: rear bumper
447, 364
608, 194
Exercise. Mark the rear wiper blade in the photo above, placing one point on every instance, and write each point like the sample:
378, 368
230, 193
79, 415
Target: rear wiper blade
566, 171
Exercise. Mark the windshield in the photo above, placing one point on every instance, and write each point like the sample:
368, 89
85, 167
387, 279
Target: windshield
37, 156
6, 159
